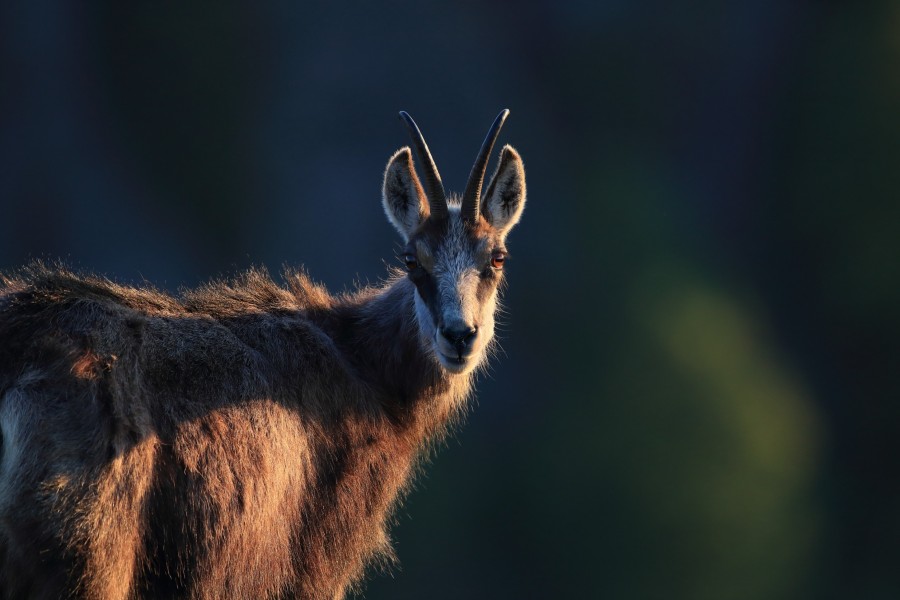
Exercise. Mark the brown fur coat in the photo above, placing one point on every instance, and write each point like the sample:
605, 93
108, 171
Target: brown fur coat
244, 440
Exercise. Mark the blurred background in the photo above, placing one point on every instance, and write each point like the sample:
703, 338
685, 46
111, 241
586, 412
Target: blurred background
699, 396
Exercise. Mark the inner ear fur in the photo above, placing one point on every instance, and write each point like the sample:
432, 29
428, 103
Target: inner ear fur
505, 198
402, 195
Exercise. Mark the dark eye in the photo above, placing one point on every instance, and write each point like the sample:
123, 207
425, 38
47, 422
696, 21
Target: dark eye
497, 259
411, 262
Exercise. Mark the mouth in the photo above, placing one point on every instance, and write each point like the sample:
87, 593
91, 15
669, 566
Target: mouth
454, 364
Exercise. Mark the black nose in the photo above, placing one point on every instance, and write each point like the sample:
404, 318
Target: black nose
459, 335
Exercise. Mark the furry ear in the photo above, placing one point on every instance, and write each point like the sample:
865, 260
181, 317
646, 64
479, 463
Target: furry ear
505, 198
402, 195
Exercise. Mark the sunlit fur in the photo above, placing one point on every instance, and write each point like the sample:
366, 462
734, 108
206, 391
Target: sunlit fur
242, 440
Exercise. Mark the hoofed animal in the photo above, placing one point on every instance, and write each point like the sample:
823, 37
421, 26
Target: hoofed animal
245, 439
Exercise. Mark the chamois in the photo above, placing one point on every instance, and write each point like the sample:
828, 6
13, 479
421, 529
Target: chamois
245, 439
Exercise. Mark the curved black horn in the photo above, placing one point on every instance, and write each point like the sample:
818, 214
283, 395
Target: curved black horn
434, 188
472, 196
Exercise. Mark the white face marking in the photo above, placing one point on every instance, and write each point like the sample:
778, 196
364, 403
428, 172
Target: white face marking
456, 275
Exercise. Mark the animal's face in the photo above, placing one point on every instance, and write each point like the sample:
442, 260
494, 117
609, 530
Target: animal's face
455, 258
456, 268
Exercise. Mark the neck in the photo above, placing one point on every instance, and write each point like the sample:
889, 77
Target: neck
378, 331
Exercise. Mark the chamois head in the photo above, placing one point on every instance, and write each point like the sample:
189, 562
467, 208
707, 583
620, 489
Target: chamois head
455, 249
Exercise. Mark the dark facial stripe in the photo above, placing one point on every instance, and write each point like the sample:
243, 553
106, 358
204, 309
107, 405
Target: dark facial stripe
426, 285
486, 285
